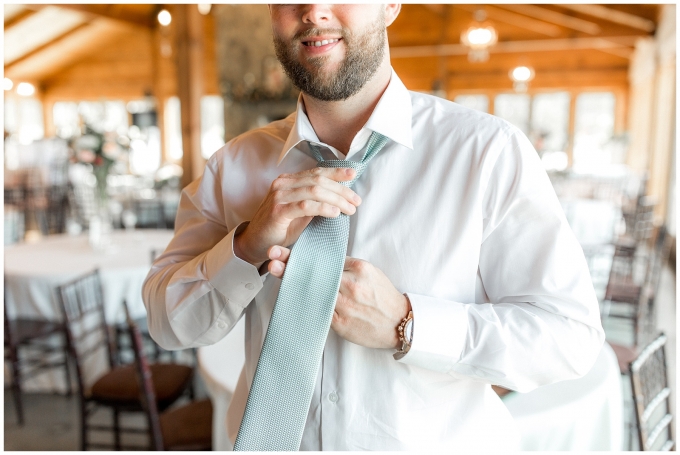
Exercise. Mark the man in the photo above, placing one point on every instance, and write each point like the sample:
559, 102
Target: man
454, 220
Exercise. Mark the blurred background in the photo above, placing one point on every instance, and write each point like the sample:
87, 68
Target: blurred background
109, 110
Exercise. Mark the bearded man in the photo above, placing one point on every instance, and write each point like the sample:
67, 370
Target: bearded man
457, 245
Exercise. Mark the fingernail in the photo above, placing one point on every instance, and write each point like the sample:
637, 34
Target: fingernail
277, 267
275, 253
349, 171
356, 199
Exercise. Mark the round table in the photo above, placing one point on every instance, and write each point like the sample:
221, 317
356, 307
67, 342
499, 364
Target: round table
33, 270
578, 415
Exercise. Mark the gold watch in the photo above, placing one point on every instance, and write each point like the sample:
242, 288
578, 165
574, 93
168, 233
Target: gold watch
405, 333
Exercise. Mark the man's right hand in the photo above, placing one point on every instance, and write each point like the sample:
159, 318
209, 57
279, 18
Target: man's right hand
293, 200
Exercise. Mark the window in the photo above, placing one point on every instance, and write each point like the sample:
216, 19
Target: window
173, 128
212, 125
593, 131
515, 108
478, 102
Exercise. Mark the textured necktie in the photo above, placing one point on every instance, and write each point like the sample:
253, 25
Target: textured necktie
286, 372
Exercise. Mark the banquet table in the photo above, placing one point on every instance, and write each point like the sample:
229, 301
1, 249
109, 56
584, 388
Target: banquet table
33, 270
581, 414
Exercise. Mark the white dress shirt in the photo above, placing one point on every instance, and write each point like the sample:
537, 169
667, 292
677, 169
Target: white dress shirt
458, 212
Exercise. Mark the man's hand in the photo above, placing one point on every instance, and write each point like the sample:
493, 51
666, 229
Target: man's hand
369, 307
293, 200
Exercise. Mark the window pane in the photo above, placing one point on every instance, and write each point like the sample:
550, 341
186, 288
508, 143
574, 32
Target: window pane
550, 122
593, 129
212, 125
514, 108
173, 128
479, 102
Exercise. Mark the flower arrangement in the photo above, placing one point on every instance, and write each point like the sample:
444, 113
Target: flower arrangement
95, 149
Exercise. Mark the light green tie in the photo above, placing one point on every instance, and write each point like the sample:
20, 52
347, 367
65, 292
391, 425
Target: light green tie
284, 381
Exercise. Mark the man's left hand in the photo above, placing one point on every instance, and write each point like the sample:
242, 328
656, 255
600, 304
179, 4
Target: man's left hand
368, 309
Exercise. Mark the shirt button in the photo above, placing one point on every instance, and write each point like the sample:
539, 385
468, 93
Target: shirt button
250, 286
333, 397
221, 325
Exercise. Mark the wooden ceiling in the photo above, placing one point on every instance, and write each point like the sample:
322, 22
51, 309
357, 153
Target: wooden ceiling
566, 44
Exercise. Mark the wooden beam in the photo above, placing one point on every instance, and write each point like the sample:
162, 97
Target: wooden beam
612, 15
190, 81
112, 11
517, 20
17, 18
54, 42
548, 15
565, 44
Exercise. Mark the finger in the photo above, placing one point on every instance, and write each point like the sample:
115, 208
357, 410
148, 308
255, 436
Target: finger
276, 268
319, 194
282, 185
279, 253
308, 208
339, 174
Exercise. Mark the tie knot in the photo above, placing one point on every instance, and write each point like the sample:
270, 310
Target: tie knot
375, 143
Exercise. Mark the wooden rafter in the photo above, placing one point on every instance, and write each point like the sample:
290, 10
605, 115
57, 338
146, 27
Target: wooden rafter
548, 15
566, 44
612, 15
519, 20
111, 11
17, 18
53, 42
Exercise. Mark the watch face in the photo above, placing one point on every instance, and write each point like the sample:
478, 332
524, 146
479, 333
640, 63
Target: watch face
408, 331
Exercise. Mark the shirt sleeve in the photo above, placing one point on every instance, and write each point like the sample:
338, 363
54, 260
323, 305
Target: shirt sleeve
541, 323
197, 289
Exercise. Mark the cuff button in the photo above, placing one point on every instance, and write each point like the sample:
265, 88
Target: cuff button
250, 286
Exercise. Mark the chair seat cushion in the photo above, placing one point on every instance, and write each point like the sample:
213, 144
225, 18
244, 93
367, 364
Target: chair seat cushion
624, 355
119, 385
188, 427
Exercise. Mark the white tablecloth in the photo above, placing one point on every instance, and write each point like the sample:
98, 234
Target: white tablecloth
33, 270
583, 414
580, 415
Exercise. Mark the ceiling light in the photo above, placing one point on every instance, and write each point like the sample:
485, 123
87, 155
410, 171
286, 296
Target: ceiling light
7, 84
204, 8
164, 17
25, 89
521, 76
479, 37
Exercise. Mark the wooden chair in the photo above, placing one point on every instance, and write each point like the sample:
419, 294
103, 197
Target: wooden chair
626, 283
117, 389
35, 338
651, 395
187, 427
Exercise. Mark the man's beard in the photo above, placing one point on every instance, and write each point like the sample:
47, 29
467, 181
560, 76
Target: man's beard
363, 58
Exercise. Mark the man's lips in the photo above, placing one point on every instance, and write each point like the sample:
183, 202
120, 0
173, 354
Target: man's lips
319, 45
319, 41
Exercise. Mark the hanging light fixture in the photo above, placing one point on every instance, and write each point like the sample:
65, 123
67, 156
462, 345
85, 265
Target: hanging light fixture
164, 17
479, 37
521, 76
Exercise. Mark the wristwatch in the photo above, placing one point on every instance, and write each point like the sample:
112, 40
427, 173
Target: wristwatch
405, 332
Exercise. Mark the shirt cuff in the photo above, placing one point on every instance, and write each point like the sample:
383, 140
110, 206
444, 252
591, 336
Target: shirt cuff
439, 331
237, 280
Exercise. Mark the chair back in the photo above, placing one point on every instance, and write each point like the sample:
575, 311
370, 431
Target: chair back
82, 305
148, 394
651, 395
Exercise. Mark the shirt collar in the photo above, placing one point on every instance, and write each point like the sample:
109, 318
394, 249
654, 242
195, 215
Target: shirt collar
391, 118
